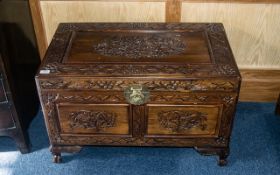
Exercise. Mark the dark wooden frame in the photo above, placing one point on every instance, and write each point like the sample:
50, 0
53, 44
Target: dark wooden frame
16, 131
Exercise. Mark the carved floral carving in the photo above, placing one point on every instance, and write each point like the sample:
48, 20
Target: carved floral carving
147, 46
136, 141
176, 97
106, 26
138, 26
87, 84
93, 98
119, 69
97, 120
222, 140
56, 50
129, 69
48, 101
220, 47
179, 121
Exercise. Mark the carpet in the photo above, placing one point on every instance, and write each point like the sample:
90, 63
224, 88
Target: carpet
255, 149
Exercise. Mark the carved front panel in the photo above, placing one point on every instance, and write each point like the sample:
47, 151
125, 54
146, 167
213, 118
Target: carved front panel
94, 119
128, 128
183, 120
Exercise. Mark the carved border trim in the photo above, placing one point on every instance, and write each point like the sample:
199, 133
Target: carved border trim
138, 70
156, 85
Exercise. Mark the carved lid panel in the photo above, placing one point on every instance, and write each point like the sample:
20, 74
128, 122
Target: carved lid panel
181, 50
141, 46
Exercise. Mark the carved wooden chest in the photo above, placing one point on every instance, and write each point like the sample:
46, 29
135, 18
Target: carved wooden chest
139, 84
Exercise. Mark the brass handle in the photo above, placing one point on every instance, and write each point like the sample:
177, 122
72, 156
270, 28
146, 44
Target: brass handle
136, 94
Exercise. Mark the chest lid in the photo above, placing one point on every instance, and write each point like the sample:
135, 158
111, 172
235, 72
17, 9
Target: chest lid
139, 49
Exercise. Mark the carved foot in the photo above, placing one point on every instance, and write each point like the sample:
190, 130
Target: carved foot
221, 152
222, 161
57, 158
57, 150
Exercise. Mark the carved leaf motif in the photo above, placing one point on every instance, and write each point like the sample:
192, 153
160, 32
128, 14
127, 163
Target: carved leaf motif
221, 140
86, 84
179, 121
93, 98
138, 26
92, 119
148, 46
128, 69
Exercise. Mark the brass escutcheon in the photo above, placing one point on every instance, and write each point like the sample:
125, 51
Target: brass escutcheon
136, 94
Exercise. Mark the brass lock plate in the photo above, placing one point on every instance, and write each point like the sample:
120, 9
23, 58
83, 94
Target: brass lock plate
136, 94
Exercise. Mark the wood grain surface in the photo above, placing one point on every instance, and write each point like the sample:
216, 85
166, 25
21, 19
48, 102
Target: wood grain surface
39, 26
173, 10
55, 12
251, 29
260, 85
233, 1
216, 1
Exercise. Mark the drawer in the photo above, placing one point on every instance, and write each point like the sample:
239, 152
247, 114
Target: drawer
6, 117
94, 119
183, 120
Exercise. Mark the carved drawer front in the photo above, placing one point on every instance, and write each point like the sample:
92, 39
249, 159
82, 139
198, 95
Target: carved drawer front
183, 120
94, 119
